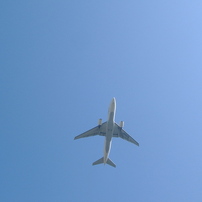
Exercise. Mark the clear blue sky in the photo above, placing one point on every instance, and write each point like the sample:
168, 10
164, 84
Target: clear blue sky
61, 62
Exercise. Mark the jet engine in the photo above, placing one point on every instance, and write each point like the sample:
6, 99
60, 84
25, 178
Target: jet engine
121, 124
100, 122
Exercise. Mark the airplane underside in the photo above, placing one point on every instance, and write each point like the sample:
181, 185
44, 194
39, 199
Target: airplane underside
108, 129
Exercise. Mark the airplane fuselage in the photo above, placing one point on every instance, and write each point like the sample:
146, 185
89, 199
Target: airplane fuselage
109, 129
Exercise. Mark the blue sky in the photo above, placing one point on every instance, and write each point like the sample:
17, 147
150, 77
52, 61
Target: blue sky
61, 62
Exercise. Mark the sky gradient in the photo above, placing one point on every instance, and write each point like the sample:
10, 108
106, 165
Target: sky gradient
61, 62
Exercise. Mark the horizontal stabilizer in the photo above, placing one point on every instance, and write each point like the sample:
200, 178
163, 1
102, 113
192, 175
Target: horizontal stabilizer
99, 161
110, 163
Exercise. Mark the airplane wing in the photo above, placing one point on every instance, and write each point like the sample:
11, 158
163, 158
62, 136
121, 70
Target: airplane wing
119, 132
98, 130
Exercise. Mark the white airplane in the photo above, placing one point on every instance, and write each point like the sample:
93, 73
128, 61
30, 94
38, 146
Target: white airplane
108, 129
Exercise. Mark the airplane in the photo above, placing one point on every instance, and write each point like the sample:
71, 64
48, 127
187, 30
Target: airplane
108, 129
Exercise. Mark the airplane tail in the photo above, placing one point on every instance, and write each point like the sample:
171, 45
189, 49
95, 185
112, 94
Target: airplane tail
109, 162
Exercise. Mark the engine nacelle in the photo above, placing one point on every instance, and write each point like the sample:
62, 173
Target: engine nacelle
121, 124
100, 122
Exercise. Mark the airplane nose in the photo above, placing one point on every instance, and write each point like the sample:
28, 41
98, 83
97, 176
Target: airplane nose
113, 103
112, 107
